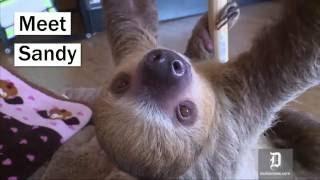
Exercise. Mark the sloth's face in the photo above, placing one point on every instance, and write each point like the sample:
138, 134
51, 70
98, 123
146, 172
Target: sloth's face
153, 119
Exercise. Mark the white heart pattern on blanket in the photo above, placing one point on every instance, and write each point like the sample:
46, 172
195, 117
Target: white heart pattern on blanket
7, 162
13, 178
30, 157
14, 129
23, 141
44, 138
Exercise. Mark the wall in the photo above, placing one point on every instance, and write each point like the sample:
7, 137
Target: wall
171, 9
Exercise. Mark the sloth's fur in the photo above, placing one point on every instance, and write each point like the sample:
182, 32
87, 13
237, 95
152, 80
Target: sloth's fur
236, 102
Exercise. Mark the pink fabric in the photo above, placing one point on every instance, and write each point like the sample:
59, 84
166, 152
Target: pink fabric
37, 106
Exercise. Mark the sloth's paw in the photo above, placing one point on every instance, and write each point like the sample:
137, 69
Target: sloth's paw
229, 14
200, 45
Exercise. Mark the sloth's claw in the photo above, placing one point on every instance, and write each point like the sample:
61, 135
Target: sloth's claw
229, 14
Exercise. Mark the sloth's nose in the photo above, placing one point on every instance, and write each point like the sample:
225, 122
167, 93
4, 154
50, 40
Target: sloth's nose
164, 68
165, 65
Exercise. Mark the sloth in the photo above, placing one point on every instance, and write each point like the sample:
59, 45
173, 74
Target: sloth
9, 93
172, 115
167, 115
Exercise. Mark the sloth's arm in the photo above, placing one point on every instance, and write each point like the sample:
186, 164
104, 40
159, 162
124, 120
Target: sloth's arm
131, 26
200, 45
282, 63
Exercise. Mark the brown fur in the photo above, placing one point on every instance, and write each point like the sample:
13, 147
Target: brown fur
236, 101
300, 131
197, 48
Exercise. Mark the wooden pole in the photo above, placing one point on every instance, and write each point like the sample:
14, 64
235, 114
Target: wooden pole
220, 37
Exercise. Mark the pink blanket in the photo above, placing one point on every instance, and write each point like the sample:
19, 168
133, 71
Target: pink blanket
32, 126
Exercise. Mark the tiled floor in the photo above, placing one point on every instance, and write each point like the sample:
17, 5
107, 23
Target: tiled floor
97, 65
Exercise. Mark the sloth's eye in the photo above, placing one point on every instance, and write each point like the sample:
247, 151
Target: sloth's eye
120, 84
186, 113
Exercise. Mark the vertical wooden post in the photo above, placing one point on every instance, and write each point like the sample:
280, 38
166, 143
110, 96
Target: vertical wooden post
220, 37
